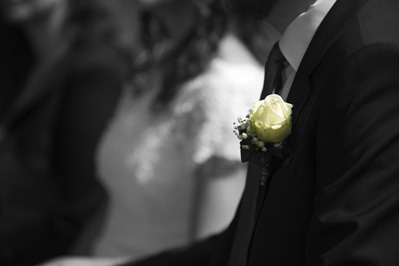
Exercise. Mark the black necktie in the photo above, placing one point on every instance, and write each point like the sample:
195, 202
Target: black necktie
273, 72
253, 196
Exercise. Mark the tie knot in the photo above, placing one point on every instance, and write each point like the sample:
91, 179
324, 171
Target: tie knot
273, 72
276, 54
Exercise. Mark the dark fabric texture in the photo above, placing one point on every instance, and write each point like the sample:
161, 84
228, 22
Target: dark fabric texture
197, 254
273, 72
335, 201
49, 193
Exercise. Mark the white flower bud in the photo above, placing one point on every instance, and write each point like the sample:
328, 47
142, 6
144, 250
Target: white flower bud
277, 145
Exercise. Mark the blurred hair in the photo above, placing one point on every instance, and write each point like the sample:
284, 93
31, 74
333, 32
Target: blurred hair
104, 21
181, 60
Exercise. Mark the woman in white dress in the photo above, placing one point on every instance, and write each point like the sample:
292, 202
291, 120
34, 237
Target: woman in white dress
169, 159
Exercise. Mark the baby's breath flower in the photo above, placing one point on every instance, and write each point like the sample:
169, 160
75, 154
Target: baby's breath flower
254, 141
258, 136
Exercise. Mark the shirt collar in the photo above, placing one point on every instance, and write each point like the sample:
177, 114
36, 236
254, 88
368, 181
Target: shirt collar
296, 38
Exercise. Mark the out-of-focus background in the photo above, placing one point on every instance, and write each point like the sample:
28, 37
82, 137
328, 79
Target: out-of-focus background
116, 124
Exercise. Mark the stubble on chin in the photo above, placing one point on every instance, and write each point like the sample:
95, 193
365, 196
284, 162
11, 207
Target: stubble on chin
258, 9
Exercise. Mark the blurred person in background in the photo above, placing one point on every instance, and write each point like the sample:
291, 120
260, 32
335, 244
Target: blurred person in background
170, 159
334, 201
62, 66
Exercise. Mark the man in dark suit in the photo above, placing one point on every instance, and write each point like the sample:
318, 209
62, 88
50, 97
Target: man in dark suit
335, 201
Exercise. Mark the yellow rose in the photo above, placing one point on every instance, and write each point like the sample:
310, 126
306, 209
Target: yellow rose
271, 119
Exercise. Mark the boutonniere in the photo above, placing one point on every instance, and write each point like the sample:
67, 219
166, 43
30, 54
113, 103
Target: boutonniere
263, 132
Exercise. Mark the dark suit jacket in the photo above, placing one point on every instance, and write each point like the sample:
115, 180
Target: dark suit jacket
336, 201
49, 193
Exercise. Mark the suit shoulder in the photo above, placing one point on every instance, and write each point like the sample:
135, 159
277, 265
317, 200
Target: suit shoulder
376, 24
379, 22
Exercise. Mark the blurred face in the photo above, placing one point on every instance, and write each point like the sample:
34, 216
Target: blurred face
19, 11
254, 8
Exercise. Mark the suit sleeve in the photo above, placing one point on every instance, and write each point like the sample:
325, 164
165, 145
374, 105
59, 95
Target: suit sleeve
211, 251
92, 91
49, 193
356, 203
198, 254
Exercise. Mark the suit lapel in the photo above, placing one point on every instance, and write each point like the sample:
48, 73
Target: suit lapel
338, 16
246, 221
301, 89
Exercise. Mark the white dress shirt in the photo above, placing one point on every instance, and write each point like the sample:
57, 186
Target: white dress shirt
296, 38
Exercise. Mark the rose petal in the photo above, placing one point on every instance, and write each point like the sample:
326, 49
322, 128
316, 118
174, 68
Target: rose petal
270, 117
276, 127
